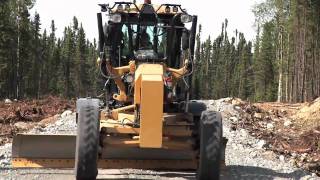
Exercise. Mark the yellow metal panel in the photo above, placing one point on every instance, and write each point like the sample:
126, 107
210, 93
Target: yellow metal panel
145, 69
115, 112
151, 69
137, 88
126, 118
151, 109
149, 96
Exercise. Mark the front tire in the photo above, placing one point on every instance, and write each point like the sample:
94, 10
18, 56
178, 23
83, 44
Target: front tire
210, 146
86, 167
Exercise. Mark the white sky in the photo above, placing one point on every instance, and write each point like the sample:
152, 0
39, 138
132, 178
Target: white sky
211, 14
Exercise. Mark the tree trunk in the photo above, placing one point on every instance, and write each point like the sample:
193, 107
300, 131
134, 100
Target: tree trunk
280, 67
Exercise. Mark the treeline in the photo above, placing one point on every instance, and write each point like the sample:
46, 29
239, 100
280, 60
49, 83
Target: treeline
224, 66
34, 62
290, 28
282, 65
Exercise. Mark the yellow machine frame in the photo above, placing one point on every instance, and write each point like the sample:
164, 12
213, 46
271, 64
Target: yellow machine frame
149, 84
159, 141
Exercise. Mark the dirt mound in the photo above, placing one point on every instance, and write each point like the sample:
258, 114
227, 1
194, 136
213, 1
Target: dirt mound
284, 128
309, 115
20, 116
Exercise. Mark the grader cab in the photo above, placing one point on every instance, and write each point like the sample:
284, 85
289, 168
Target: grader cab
145, 119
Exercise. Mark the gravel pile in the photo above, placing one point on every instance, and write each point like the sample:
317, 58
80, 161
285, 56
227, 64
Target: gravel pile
246, 157
65, 125
5, 156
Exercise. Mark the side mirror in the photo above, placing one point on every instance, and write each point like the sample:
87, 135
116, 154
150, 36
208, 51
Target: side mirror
185, 39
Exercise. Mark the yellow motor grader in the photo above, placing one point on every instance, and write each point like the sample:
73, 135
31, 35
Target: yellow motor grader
145, 119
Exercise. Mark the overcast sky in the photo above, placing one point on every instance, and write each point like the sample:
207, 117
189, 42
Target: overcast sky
211, 14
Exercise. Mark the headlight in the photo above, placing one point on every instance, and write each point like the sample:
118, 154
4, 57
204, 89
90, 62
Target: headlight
185, 18
116, 18
175, 9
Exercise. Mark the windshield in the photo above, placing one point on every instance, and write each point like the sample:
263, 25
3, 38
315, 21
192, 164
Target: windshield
144, 38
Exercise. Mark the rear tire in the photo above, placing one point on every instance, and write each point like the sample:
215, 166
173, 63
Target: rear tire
210, 146
86, 167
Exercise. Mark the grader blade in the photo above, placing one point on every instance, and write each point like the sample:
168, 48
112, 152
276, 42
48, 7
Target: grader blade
58, 151
44, 146
29, 150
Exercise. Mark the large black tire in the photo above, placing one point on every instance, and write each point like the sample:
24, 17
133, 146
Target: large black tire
86, 167
210, 146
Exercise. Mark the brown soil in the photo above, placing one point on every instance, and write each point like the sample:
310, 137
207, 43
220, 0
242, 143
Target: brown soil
30, 113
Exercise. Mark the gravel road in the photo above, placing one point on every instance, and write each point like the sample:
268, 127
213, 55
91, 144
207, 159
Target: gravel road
246, 157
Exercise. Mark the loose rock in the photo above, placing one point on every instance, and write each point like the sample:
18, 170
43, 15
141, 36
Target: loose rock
66, 113
233, 119
258, 115
287, 123
7, 101
270, 126
261, 144
21, 126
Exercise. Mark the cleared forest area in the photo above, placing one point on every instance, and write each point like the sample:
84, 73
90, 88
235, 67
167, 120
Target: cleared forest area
273, 81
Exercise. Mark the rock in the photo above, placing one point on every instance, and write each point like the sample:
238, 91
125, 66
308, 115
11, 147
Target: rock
21, 125
303, 157
307, 177
287, 123
43, 123
59, 123
261, 144
211, 102
243, 133
237, 107
281, 158
253, 154
233, 119
6, 162
7, 146
66, 113
270, 126
294, 155
234, 146
7, 101
258, 115
269, 155
236, 101
292, 162
233, 127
